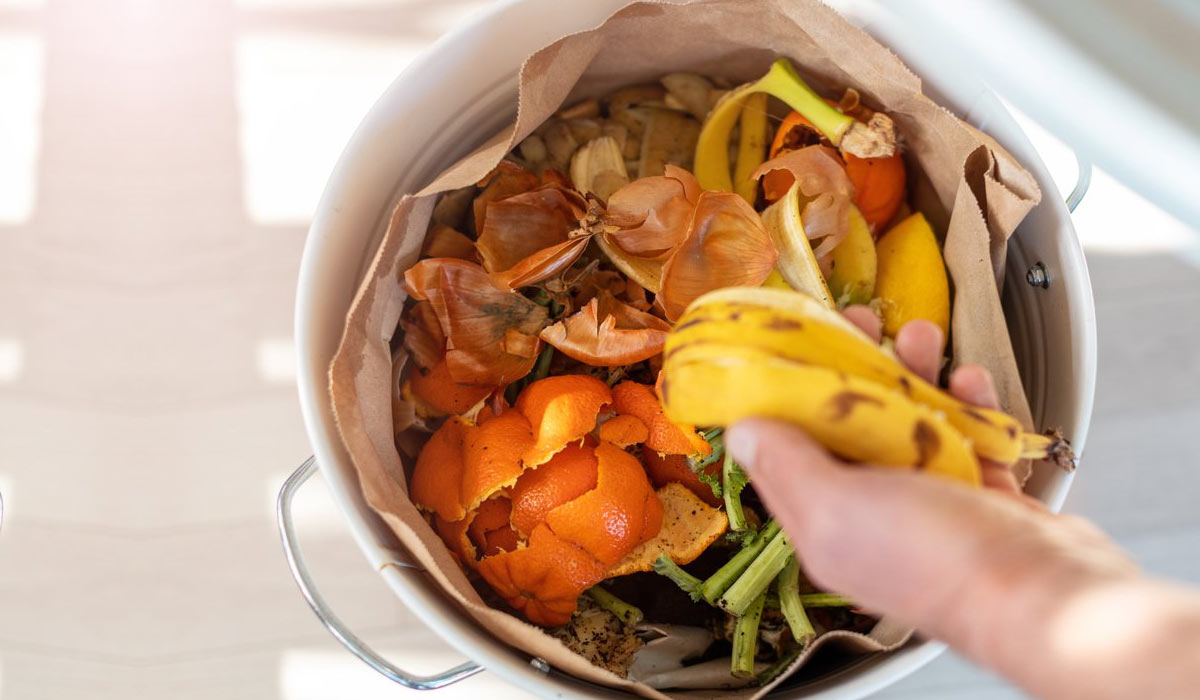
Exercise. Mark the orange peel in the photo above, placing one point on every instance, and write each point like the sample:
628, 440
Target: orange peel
437, 390
544, 579
620, 513
623, 431
535, 503
492, 453
567, 476
639, 400
454, 534
490, 531
436, 483
689, 526
666, 469
562, 410
502, 540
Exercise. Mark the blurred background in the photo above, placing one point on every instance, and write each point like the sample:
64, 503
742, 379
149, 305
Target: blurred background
159, 162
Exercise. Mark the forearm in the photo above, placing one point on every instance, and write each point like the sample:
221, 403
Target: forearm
1047, 600
1083, 627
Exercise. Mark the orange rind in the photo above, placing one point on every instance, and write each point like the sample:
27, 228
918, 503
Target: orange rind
533, 501
562, 410
543, 580
666, 469
620, 513
435, 389
490, 531
639, 400
436, 483
623, 431
567, 476
454, 534
492, 453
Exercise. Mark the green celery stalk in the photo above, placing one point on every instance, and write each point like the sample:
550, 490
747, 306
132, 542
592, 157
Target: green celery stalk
788, 586
733, 480
754, 581
715, 585
690, 584
745, 640
629, 614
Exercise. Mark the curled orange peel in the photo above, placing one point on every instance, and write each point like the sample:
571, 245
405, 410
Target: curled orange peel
562, 410
544, 579
490, 531
492, 453
534, 502
623, 431
639, 400
666, 469
455, 535
620, 513
438, 394
567, 476
436, 483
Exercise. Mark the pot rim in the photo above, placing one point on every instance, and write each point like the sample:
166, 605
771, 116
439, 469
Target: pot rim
363, 186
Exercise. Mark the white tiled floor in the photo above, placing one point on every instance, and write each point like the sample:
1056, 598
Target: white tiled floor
147, 401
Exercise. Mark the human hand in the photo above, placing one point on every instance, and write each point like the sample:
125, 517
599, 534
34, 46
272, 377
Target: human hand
984, 570
920, 346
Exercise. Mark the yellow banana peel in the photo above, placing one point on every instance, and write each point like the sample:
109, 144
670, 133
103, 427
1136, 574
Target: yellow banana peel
873, 140
752, 146
797, 329
719, 383
797, 264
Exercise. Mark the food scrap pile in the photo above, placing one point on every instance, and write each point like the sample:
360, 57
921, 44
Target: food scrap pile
641, 271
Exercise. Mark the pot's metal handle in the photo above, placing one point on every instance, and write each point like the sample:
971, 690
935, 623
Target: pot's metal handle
1082, 182
356, 646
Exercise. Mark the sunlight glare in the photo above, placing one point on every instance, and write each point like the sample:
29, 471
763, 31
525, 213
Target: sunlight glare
276, 359
318, 675
6, 491
1112, 218
300, 96
20, 131
12, 359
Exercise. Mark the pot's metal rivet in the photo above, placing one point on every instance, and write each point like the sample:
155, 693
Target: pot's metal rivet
540, 664
1037, 276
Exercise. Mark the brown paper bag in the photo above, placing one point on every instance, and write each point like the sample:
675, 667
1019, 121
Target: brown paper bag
965, 183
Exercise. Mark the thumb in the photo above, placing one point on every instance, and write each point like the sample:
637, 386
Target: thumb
893, 541
792, 473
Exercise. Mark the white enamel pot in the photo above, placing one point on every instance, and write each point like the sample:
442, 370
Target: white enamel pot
463, 89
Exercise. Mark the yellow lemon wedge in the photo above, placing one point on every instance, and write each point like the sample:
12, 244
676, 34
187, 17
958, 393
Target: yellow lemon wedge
910, 280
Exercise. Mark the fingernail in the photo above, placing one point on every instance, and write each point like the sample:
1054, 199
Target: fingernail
741, 439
